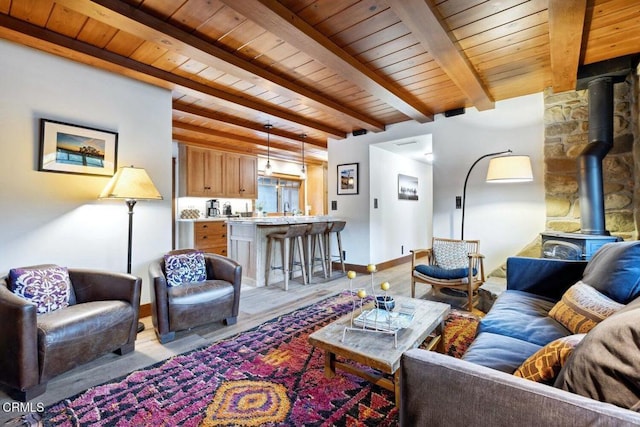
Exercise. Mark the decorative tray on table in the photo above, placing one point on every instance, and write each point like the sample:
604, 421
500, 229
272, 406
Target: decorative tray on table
383, 320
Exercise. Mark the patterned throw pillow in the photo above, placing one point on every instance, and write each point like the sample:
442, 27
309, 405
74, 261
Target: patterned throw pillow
544, 364
185, 268
49, 288
582, 307
451, 255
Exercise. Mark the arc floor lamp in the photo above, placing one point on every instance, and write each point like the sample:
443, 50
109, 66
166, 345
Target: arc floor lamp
131, 184
504, 169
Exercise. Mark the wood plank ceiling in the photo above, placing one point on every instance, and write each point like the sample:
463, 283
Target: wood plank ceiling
318, 69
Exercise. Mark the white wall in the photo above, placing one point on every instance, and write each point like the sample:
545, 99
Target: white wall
354, 208
398, 226
505, 218
56, 218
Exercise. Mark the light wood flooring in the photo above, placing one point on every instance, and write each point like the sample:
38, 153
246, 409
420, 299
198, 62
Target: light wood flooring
257, 305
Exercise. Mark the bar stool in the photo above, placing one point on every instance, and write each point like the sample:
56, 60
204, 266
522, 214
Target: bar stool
288, 239
335, 227
314, 239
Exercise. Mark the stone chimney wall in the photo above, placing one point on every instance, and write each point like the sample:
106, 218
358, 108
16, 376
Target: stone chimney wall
566, 128
566, 122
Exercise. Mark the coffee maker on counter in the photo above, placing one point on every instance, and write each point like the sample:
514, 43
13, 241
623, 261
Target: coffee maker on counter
213, 207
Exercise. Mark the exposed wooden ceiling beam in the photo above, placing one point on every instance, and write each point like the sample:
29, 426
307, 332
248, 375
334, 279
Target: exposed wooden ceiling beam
566, 26
225, 118
277, 151
232, 136
216, 133
136, 22
218, 145
78, 51
425, 23
295, 31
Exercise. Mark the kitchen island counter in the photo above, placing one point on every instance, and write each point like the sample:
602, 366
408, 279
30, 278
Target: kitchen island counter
248, 243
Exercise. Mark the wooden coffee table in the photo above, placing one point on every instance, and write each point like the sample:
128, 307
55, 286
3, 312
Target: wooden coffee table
377, 350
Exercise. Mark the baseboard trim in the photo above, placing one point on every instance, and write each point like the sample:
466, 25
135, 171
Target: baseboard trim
381, 266
145, 311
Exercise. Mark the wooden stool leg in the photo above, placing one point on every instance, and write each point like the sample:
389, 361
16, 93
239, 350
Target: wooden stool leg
322, 256
340, 251
328, 257
267, 266
302, 259
309, 246
285, 262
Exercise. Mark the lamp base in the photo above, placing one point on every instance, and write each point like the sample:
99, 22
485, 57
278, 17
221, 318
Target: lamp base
140, 327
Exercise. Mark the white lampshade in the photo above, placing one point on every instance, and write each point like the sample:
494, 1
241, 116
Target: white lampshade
510, 169
131, 183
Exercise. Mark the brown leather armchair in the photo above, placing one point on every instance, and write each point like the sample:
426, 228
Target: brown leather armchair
102, 317
194, 304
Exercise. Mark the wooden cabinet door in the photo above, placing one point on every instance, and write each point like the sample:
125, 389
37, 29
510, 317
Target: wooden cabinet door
204, 172
232, 175
214, 173
195, 172
248, 177
241, 176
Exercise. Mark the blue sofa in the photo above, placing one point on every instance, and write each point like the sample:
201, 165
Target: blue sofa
599, 383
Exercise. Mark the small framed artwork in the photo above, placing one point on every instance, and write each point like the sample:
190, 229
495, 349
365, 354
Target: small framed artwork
348, 178
68, 148
407, 187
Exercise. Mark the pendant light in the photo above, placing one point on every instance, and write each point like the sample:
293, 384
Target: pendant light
303, 171
267, 168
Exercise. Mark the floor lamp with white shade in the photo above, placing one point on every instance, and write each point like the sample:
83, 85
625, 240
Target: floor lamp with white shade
502, 169
131, 184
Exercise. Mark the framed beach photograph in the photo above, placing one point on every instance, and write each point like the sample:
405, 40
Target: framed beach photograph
68, 148
407, 187
348, 178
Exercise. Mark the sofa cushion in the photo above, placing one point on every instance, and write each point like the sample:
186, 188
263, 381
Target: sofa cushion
524, 316
606, 365
185, 267
582, 307
614, 270
443, 273
451, 255
499, 352
46, 286
543, 366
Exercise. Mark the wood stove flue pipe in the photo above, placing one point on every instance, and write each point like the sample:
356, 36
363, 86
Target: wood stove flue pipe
590, 176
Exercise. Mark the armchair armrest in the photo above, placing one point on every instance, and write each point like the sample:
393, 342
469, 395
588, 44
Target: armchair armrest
18, 341
94, 285
476, 261
224, 268
543, 276
159, 298
441, 390
418, 253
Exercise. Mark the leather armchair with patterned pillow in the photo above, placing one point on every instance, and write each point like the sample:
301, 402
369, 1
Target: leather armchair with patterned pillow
54, 319
190, 288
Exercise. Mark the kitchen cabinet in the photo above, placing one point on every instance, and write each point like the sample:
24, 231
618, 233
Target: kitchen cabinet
202, 172
207, 236
211, 173
241, 176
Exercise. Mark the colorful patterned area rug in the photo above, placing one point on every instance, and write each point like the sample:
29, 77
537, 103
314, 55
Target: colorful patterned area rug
269, 375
